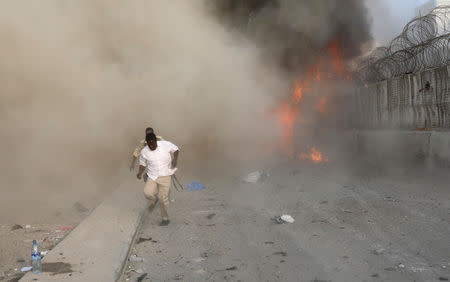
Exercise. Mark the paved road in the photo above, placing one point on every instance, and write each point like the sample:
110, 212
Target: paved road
347, 228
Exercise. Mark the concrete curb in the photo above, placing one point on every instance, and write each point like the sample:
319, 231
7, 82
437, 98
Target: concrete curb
97, 248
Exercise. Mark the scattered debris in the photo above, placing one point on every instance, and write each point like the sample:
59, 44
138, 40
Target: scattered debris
26, 268
178, 277
210, 216
44, 253
284, 254
16, 226
204, 255
194, 186
232, 268
378, 251
135, 258
80, 208
142, 239
139, 271
401, 265
285, 218
390, 199
417, 269
256, 176
65, 228
443, 278
141, 278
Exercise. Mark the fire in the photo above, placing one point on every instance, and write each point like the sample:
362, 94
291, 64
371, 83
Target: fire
315, 156
298, 93
322, 105
287, 116
336, 57
288, 112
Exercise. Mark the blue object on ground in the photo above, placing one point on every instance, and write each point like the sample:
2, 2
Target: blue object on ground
194, 185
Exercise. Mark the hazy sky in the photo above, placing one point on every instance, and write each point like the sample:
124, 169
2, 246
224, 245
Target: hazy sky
389, 17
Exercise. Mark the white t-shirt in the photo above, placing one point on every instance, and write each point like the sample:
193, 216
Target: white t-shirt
159, 161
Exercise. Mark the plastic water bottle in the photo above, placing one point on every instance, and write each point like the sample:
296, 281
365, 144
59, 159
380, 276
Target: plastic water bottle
36, 258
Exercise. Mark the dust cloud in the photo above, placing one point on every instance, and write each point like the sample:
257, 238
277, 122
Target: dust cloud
80, 80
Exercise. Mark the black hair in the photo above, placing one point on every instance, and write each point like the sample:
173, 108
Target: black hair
150, 137
149, 129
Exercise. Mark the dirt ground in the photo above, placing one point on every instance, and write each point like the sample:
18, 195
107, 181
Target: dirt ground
349, 226
48, 220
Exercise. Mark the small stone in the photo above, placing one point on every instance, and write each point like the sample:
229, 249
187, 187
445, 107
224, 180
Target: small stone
27, 226
16, 226
443, 278
135, 258
401, 265
375, 275
378, 251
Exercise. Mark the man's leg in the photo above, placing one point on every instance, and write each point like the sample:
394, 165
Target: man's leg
163, 195
150, 192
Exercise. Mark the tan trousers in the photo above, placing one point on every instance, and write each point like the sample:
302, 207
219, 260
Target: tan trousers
159, 189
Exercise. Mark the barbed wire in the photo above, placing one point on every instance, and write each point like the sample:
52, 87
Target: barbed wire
424, 43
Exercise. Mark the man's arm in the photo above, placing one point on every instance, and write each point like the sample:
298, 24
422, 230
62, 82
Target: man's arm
175, 158
137, 153
141, 171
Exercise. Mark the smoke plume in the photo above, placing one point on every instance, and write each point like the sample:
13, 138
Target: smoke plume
295, 32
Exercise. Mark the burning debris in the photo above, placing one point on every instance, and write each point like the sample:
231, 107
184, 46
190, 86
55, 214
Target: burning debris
315, 156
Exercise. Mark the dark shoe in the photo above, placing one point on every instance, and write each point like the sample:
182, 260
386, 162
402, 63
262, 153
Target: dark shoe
164, 223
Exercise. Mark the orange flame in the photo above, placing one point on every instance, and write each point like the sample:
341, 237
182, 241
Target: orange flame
287, 116
322, 105
315, 156
336, 57
288, 112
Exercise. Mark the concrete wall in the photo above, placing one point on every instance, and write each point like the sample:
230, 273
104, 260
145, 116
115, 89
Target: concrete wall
406, 102
402, 119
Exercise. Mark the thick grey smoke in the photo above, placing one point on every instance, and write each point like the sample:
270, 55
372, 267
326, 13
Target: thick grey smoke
294, 32
80, 81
